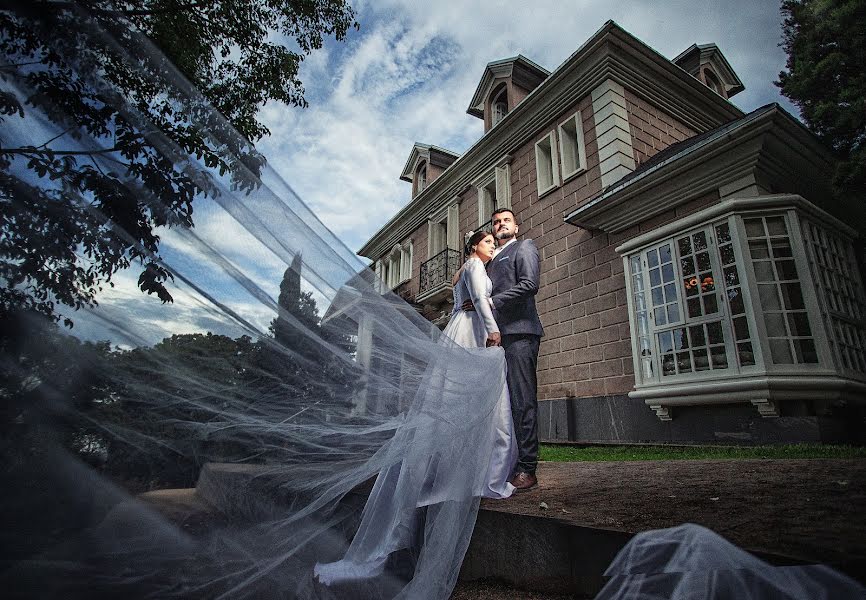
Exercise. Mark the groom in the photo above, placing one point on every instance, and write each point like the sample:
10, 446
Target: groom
514, 272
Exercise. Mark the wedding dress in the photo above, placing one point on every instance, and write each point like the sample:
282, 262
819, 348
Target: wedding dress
470, 329
423, 478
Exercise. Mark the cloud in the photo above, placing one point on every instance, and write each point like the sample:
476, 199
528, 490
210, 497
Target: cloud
410, 73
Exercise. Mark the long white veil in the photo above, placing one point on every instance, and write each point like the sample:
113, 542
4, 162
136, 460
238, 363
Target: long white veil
279, 353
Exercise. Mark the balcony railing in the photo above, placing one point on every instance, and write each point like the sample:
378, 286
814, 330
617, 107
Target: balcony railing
436, 273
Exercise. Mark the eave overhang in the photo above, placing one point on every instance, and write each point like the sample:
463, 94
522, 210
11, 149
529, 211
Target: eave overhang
768, 143
530, 72
612, 53
710, 53
432, 154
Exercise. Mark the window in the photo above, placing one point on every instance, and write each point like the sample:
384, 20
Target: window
420, 178
571, 146
779, 291
396, 267
499, 105
443, 230
713, 83
494, 191
837, 280
546, 163
687, 308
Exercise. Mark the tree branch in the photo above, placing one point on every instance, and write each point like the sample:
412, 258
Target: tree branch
28, 151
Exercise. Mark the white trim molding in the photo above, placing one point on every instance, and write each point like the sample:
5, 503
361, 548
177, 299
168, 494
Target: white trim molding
615, 151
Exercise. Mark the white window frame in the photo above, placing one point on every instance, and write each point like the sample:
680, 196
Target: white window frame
546, 164
499, 178
572, 147
443, 229
495, 117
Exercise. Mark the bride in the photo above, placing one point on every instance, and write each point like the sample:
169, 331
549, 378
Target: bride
477, 329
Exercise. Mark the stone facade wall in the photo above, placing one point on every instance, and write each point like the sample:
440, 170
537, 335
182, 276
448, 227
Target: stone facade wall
651, 128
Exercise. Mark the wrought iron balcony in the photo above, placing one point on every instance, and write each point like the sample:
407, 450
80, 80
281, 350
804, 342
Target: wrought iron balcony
436, 274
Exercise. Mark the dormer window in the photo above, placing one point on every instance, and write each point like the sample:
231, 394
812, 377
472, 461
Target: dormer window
713, 83
499, 105
421, 178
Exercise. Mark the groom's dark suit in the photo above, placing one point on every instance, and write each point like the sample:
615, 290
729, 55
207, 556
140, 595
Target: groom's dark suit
514, 272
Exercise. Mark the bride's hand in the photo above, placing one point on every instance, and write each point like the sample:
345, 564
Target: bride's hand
494, 339
468, 306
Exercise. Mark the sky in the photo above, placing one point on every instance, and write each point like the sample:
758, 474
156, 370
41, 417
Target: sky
409, 74
406, 76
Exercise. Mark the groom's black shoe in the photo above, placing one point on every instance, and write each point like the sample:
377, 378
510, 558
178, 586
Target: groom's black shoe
524, 481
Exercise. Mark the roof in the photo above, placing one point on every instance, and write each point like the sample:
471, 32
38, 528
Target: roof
532, 75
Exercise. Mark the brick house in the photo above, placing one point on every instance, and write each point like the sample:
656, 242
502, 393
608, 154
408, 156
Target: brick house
692, 287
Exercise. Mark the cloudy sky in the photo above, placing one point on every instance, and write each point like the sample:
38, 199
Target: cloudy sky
409, 74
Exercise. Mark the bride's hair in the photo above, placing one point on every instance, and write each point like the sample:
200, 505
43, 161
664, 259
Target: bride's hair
473, 241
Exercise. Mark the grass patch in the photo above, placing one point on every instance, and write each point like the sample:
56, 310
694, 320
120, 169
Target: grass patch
557, 453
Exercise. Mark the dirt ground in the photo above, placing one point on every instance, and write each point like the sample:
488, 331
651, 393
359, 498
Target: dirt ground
806, 509
809, 510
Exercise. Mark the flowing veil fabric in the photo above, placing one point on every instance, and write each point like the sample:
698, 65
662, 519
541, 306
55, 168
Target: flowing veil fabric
280, 353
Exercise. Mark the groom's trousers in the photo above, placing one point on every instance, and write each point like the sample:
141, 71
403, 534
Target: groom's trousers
521, 357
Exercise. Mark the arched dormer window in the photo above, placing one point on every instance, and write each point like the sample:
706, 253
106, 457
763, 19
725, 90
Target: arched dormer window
498, 105
420, 178
713, 83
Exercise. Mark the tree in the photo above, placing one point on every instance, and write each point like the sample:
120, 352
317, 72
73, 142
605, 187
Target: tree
134, 143
826, 45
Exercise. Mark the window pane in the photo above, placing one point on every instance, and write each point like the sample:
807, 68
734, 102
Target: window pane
653, 258
665, 253
727, 253
708, 284
670, 293
702, 360
793, 296
673, 313
745, 353
741, 328
798, 322
758, 249
668, 272
769, 297
660, 316
754, 227
719, 358
668, 365
635, 264
694, 307
703, 261
684, 362
714, 333
781, 248
685, 245
690, 284
786, 269
655, 277
781, 352
723, 233
710, 304
697, 334
688, 265
775, 325
764, 270
658, 298
805, 350
776, 226
666, 343
732, 276
681, 341
735, 297
700, 240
